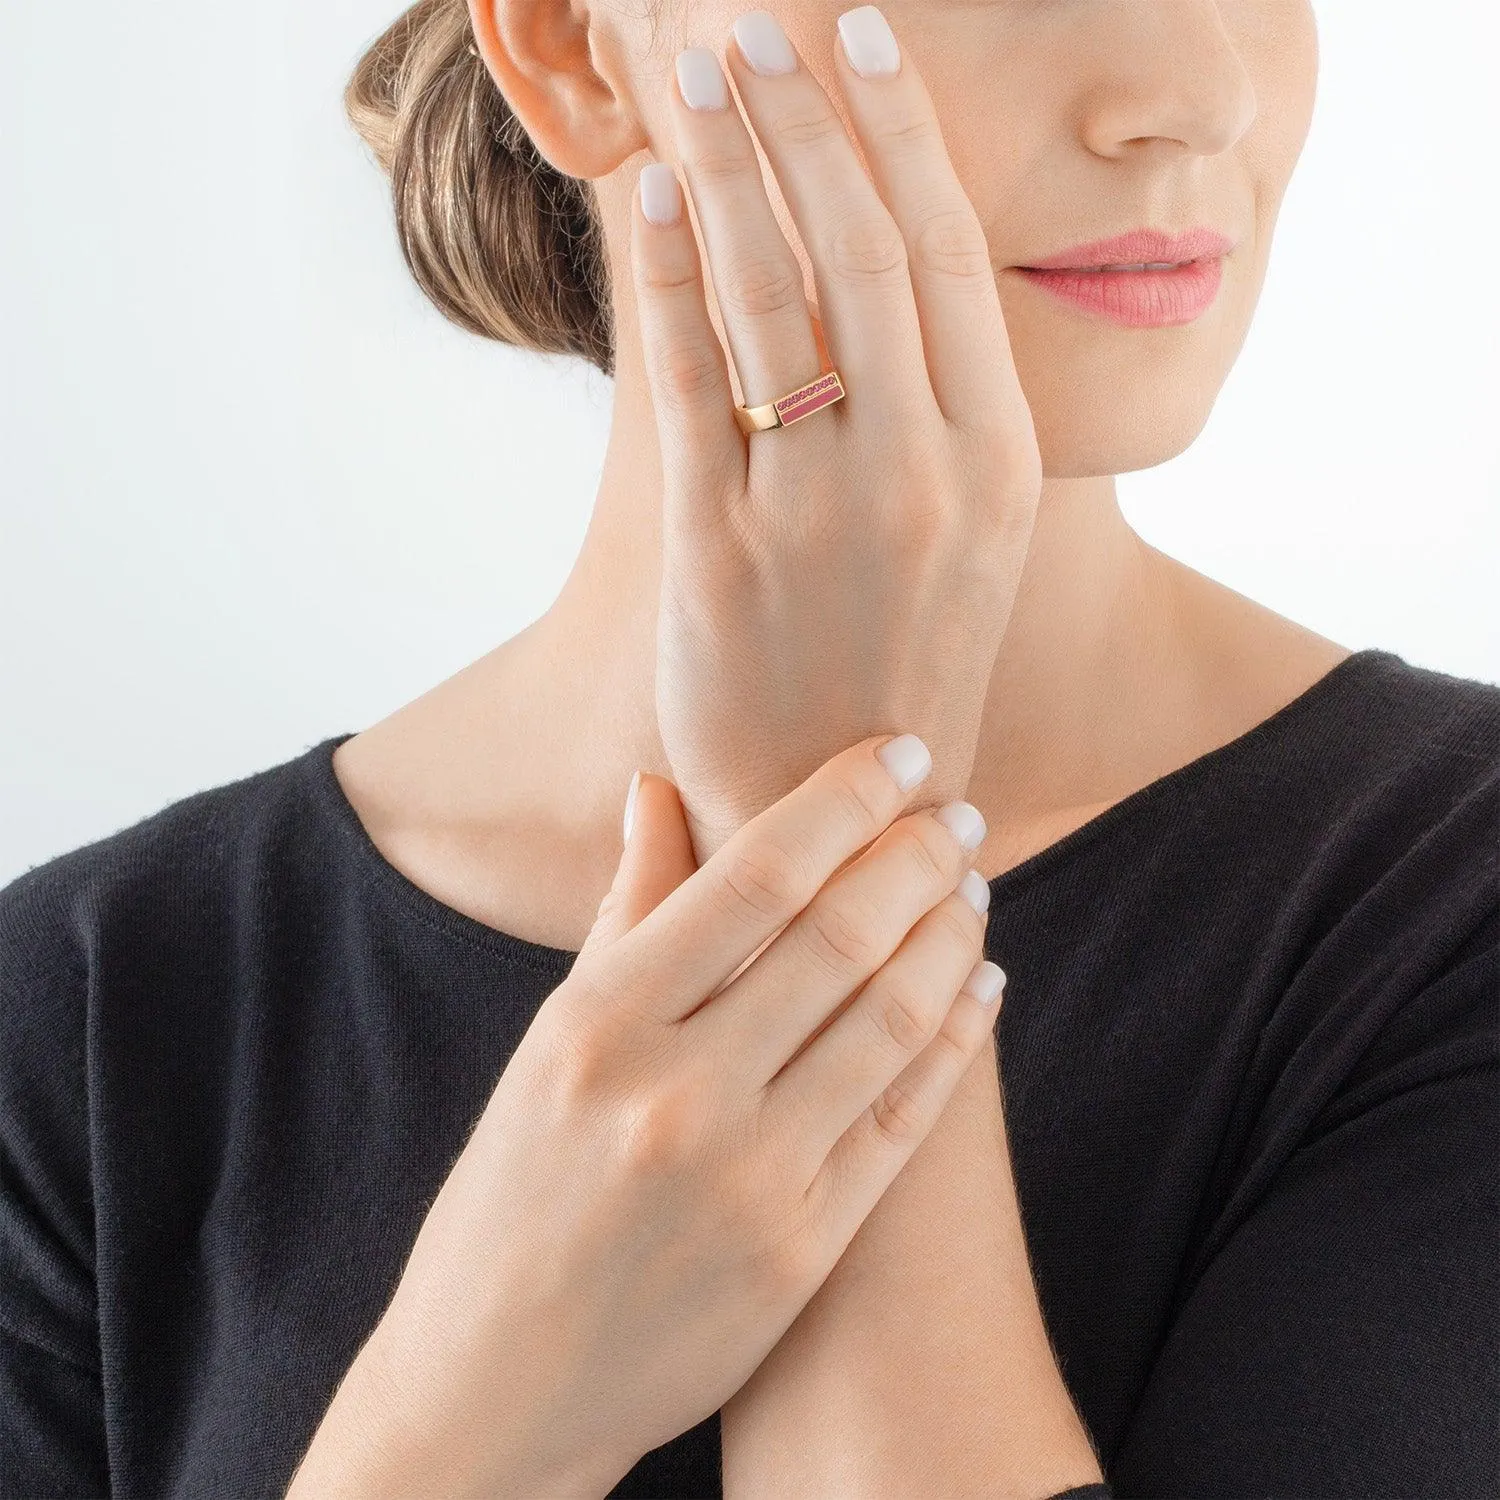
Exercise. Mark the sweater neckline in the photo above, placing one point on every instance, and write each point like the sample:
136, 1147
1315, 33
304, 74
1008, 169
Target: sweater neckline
556, 962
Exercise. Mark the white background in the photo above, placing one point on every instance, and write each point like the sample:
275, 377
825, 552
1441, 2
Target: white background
254, 491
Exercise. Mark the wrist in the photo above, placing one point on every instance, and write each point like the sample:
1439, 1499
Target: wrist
384, 1435
713, 821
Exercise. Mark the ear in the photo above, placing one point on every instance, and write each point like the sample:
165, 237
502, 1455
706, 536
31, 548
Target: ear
563, 73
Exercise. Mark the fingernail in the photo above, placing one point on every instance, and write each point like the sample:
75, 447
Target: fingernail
869, 43
764, 43
661, 194
635, 786
907, 759
964, 821
975, 889
701, 79
985, 981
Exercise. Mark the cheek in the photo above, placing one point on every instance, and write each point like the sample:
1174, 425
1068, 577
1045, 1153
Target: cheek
1280, 52
1278, 42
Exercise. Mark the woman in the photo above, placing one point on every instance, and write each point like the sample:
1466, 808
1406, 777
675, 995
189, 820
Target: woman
269, 1216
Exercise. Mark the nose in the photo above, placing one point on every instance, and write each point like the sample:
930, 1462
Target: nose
1166, 71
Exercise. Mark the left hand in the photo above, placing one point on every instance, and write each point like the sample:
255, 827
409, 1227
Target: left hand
854, 573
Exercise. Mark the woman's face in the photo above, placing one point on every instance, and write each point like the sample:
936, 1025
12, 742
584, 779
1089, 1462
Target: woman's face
1070, 121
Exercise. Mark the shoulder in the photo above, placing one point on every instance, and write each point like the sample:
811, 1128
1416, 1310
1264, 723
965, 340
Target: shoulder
94, 939
92, 943
1388, 789
1413, 706
1386, 925
1380, 762
1408, 761
143, 885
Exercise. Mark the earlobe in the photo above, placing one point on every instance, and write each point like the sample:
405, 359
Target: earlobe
543, 56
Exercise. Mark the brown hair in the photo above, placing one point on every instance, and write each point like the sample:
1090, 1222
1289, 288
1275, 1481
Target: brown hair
501, 241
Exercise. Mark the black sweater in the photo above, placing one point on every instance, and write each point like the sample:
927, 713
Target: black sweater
1248, 1051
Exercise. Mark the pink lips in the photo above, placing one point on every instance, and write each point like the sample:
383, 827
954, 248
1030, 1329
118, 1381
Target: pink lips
1138, 299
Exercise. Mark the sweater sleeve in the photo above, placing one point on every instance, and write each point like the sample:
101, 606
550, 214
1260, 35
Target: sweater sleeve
1342, 1340
51, 1400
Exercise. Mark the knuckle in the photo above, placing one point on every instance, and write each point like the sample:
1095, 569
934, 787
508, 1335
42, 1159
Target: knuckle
932, 849
688, 369
661, 1133
863, 803
648, 1146
955, 924
1018, 496
763, 288
716, 165
1002, 529
903, 1016
910, 132
866, 249
1004, 456
766, 882
578, 1075
922, 508
839, 940
897, 1114
600, 1038
667, 275
951, 243
919, 522
801, 128
953, 1041
924, 458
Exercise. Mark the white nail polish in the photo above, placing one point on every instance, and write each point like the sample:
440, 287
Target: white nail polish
764, 43
985, 981
701, 79
964, 821
635, 786
661, 193
869, 43
906, 758
975, 889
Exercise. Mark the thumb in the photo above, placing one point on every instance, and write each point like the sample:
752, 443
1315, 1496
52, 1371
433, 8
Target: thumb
657, 858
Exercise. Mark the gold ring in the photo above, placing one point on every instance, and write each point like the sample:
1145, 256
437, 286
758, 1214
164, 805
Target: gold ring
792, 407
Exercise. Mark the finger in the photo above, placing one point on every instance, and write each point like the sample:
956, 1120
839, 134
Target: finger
964, 336
656, 858
701, 445
856, 249
766, 873
756, 277
853, 1060
847, 932
866, 1158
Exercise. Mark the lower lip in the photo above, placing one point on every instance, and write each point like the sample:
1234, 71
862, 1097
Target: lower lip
1138, 299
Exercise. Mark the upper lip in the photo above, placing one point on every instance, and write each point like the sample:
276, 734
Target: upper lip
1139, 247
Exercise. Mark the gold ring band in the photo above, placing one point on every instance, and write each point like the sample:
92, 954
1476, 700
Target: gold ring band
792, 407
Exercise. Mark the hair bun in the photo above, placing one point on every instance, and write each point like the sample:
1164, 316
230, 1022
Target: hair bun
500, 241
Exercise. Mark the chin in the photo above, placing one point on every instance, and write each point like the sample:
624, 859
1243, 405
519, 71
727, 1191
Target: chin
1082, 440
1107, 400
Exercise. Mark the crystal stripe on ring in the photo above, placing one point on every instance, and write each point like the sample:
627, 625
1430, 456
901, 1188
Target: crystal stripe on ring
813, 396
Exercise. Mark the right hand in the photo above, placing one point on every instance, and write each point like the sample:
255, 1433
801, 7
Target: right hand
859, 568
680, 1148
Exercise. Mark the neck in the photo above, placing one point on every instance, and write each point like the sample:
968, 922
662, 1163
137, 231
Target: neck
1087, 628
1118, 666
